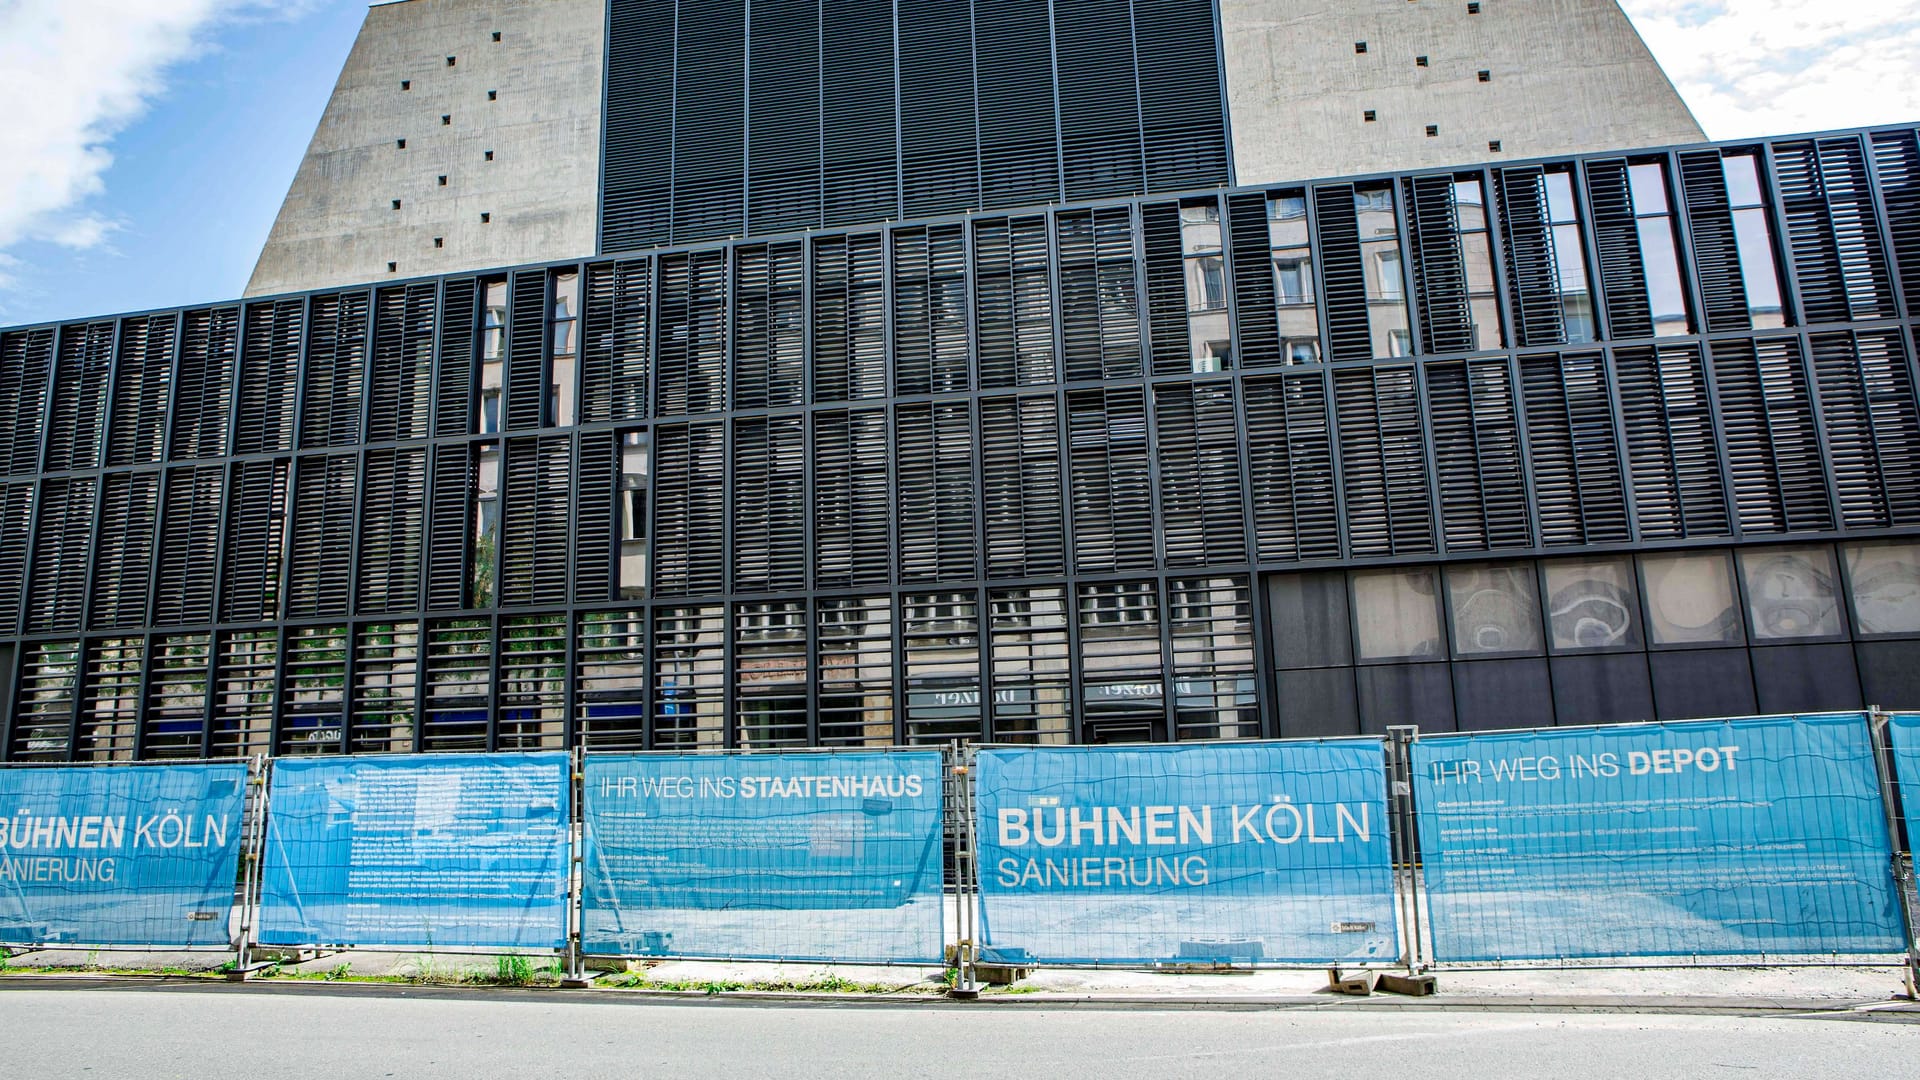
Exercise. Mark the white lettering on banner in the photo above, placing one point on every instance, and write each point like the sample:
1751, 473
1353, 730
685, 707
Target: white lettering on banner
910, 786
48, 868
1546, 768
25, 831
1094, 872
1185, 826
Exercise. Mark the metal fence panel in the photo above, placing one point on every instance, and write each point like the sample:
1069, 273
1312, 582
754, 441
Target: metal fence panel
435, 850
1759, 837
819, 856
128, 855
1903, 730
1216, 853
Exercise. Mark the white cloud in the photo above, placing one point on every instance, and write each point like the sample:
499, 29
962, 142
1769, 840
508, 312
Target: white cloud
1775, 67
73, 74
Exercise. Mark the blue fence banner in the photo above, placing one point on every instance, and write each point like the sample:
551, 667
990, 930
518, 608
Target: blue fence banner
120, 855
1743, 837
432, 850
1217, 853
1903, 730
824, 856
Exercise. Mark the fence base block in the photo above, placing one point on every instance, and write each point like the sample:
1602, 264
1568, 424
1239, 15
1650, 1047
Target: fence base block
1350, 983
243, 974
999, 974
1410, 985
582, 981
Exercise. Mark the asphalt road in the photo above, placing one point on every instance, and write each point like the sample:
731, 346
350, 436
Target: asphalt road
350, 1033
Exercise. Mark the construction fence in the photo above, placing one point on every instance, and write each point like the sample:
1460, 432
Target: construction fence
1758, 840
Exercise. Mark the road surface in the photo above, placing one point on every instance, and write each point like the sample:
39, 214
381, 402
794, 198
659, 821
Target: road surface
357, 1032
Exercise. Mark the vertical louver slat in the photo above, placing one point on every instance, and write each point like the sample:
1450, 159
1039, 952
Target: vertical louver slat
459, 331
16, 536
1099, 98
450, 527
710, 122
123, 553
1716, 251
596, 551
1383, 459
1344, 276
320, 546
189, 546
1533, 275
851, 503
933, 462
930, 310
860, 174
401, 381
1578, 486
769, 347
1773, 453
692, 376
57, 591
1164, 263
203, 387
1020, 487
536, 540
1256, 313
26, 367
1112, 490
527, 377
393, 508
1013, 51
1099, 302
336, 371
636, 208
256, 531
783, 116
1439, 269
1623, 277
1671, 448
1476, 450
1838, 258
80, 384
269, 376
939, 130
1200, 499
1290, 467
1873, 429
769, 504
617, 351
1182, 115
143, 381
689, 510
1013, 302
1896, 156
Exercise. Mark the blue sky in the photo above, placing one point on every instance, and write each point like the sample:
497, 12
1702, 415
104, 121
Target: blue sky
149, 142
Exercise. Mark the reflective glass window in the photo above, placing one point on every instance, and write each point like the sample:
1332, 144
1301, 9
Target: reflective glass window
1791, 592
1659, 253
1570, 259
1592, 604
1885, 581
1396, 614
1384, 269
1476, 248
1690, 599
1294, 290
1496, 609
1209, 323
1753, 234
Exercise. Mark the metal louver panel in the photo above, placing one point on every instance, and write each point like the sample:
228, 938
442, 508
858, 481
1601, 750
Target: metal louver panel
636, 208
1020, 487
1579, 488
78, 422
783, 116
860, 173
189, 546
1477, 456
1383, 460
689, 678
450, 526
709, 121
1182, 113
939, 130
26, 370
1013, 55
269, 376
335, 372
1773, 448
243, 692
1672, 449
849, 318
933, 463
173, 723
527, 380
1873, 426
1164, 262
930, 351
458, 669
203, 384
1837, 254
386, 684
1439, 269
400, 385
1716, 251
692, 375
1099, 98
393, 503
16, 537
1344, 276
320, 546
1013, 302
1533, 273
769, 505
610, 687
1290, 467
143, 379
1623, 277
454, 384
108, 711
851, 506
617, 351
1112, 488
43, 702
1896, 157
1099, 301
536, 534
1256, 312
770, 327
57, 591
123, 553
256, 531
689, 509
313, 691
1201, 504
597, 534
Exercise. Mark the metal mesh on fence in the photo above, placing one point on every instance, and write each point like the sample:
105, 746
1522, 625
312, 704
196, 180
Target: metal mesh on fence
1903, 736
1762, 837
434, 851
829, 856
120, 855
1245, 853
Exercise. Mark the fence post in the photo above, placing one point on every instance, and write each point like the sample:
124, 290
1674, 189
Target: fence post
252, 849
577, 977
966, 883
1880, 724
1406, 844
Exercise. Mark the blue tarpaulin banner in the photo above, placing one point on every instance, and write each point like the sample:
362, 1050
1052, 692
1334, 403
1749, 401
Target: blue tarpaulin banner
1740, 837
1903, 730
829, 856
1243, 852
120, 855
433, 850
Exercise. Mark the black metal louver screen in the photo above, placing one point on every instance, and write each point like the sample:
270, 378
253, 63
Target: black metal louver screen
1164, 265
936, 488
16, 537
939, 129
392, 530
852, 545
143, 381
1111, 486
1896, 158
536, 532
930, 340
1773, 449
596, 554
849, 318
526, 377
189, 545
1616, 232
770, 337
689, 509
1202, 507
1019, 150
616, 347
693, 341
1479, 472
1290, 467
450, 526
203, 386
26, 370
1673, 452
1832, 230
1343, 275
1013, 302
1099, 297
1256, 319
1574, 454
1020, 487
783, 116
1716, 250
1533, 277
1873, 426
57, 590
77, 426
400, 384
256, 529
453, 390
336, 371
320, 546
1383, 460
269, 376
769, 504
709, 120
123, 554
1439, 269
